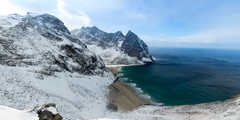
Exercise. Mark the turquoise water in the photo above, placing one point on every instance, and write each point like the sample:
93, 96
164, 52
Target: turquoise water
188, 76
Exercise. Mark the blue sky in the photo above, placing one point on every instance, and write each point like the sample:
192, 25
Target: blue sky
161, 23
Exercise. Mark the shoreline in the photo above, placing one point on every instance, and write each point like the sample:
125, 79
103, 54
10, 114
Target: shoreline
123, 65
115, 68
123, 97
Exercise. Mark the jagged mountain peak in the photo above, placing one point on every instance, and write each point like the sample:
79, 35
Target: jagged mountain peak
119, 33
130, 32
132, 35
136, 47
43, 40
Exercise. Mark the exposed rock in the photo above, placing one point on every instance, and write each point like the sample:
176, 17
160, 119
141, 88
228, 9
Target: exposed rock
112, 107
48, 112
115, 48
135, 47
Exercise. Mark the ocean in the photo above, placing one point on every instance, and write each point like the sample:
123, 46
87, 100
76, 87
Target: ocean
182, 76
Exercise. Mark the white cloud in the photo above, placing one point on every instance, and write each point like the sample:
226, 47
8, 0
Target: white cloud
212, 36
74, 19
217, 38
96, 6
8, 8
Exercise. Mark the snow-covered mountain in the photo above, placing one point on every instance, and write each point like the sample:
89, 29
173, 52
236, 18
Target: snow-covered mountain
115, 48
40, 62
44, 41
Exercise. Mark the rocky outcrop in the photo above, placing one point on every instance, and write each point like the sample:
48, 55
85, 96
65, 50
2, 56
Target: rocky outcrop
47, 112
115, 48
136, 47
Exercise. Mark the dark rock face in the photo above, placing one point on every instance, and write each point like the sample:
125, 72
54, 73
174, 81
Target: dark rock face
45, 114
112, 107
44, 41
88, 64
135, 47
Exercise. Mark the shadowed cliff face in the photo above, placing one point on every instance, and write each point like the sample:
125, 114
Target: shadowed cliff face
43, 40
135, 47
130, 45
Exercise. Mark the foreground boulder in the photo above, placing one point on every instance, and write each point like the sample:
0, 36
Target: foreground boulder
48, 112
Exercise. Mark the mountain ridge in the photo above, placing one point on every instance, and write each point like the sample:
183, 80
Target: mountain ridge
129, 50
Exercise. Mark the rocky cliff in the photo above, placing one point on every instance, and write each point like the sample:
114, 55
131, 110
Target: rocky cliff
136, 47
115, 48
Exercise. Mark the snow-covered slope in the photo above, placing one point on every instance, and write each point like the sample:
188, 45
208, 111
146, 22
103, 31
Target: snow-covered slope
40, 62
10, 20
7, 113
115, 48
77, 95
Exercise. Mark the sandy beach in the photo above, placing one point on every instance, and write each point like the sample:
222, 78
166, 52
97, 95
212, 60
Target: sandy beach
123, 97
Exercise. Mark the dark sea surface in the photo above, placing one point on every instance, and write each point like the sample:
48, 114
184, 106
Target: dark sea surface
183, 76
